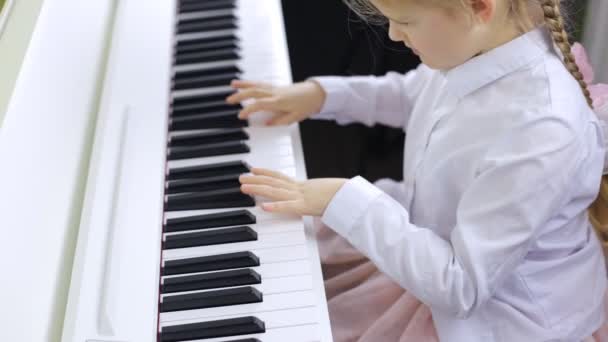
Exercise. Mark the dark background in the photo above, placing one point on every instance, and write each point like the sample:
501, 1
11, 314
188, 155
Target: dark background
326, 38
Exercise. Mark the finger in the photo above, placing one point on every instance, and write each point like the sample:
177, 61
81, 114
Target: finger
270, 173
275, 194
293, 207
250, 93
243, 84
265, 180
283, 119
266, 104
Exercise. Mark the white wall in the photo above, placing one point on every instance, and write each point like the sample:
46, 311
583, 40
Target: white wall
595, 38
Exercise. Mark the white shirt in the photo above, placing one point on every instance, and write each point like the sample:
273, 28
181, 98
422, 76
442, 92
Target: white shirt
489, 226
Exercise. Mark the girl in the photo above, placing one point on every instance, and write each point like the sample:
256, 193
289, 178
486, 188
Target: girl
503, 156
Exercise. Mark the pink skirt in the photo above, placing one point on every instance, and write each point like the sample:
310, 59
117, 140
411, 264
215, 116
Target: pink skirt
367, 306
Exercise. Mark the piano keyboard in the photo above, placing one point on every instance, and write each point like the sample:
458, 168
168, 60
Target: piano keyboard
228, 268
168, 248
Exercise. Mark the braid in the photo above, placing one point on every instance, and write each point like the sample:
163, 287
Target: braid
555, 22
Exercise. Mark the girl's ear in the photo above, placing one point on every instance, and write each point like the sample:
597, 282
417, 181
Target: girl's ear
483, 10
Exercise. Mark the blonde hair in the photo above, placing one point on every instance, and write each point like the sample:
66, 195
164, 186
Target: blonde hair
519, 9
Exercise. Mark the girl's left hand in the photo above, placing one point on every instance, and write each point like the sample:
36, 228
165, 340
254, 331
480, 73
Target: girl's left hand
289, 196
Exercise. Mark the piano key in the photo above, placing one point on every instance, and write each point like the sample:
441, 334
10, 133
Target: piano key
271, 302
222, 219
207, 150
208, 170
259, 214
264, 241
301, 333
205, 43
194, 49
193, 6
210, 263
210, 299
271, 227
207, 137
224, 119
203, 108
201, 104
273, 150
207, 24
210, 329
207, 56
279, 160
210, 237
272, 319
203, 281
223, 198
203, 184
185, 75
267, 286
267, 256
201, 81
205, 14
277, 277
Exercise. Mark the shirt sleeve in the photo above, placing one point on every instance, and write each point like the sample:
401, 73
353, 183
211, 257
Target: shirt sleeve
521, 181
370, 100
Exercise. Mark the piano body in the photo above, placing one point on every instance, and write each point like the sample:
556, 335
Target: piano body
120, 219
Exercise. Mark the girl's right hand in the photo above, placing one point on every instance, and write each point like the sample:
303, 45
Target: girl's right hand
289, 104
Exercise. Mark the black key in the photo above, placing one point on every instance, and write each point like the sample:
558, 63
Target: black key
220, 70
207, 150
195, 139
187, 102
209, 170
211, 299
210, 263
197, 6
215, 220
224, 119
204, 81
213, 199
224, 54
214, 280
210, 237
209, 56
219, 328
201, 44
205, 108
202, 184
182, 57
226, 22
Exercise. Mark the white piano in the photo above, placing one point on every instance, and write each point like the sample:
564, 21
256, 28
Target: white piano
109, 236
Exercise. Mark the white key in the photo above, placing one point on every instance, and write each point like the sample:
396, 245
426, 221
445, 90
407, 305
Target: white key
272, 320
272, 227
205, 14
270, 270
271, 302
208, 34
302, 333
267, 287
264, 241
266, 256
260, 215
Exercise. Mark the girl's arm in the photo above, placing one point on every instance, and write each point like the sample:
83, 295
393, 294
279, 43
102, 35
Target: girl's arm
386, 99
522, 181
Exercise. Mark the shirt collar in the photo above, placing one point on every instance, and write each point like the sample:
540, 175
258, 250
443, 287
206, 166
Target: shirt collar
498, 62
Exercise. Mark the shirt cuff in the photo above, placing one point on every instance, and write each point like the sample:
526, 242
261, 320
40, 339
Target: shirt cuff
348, 204
334, 96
